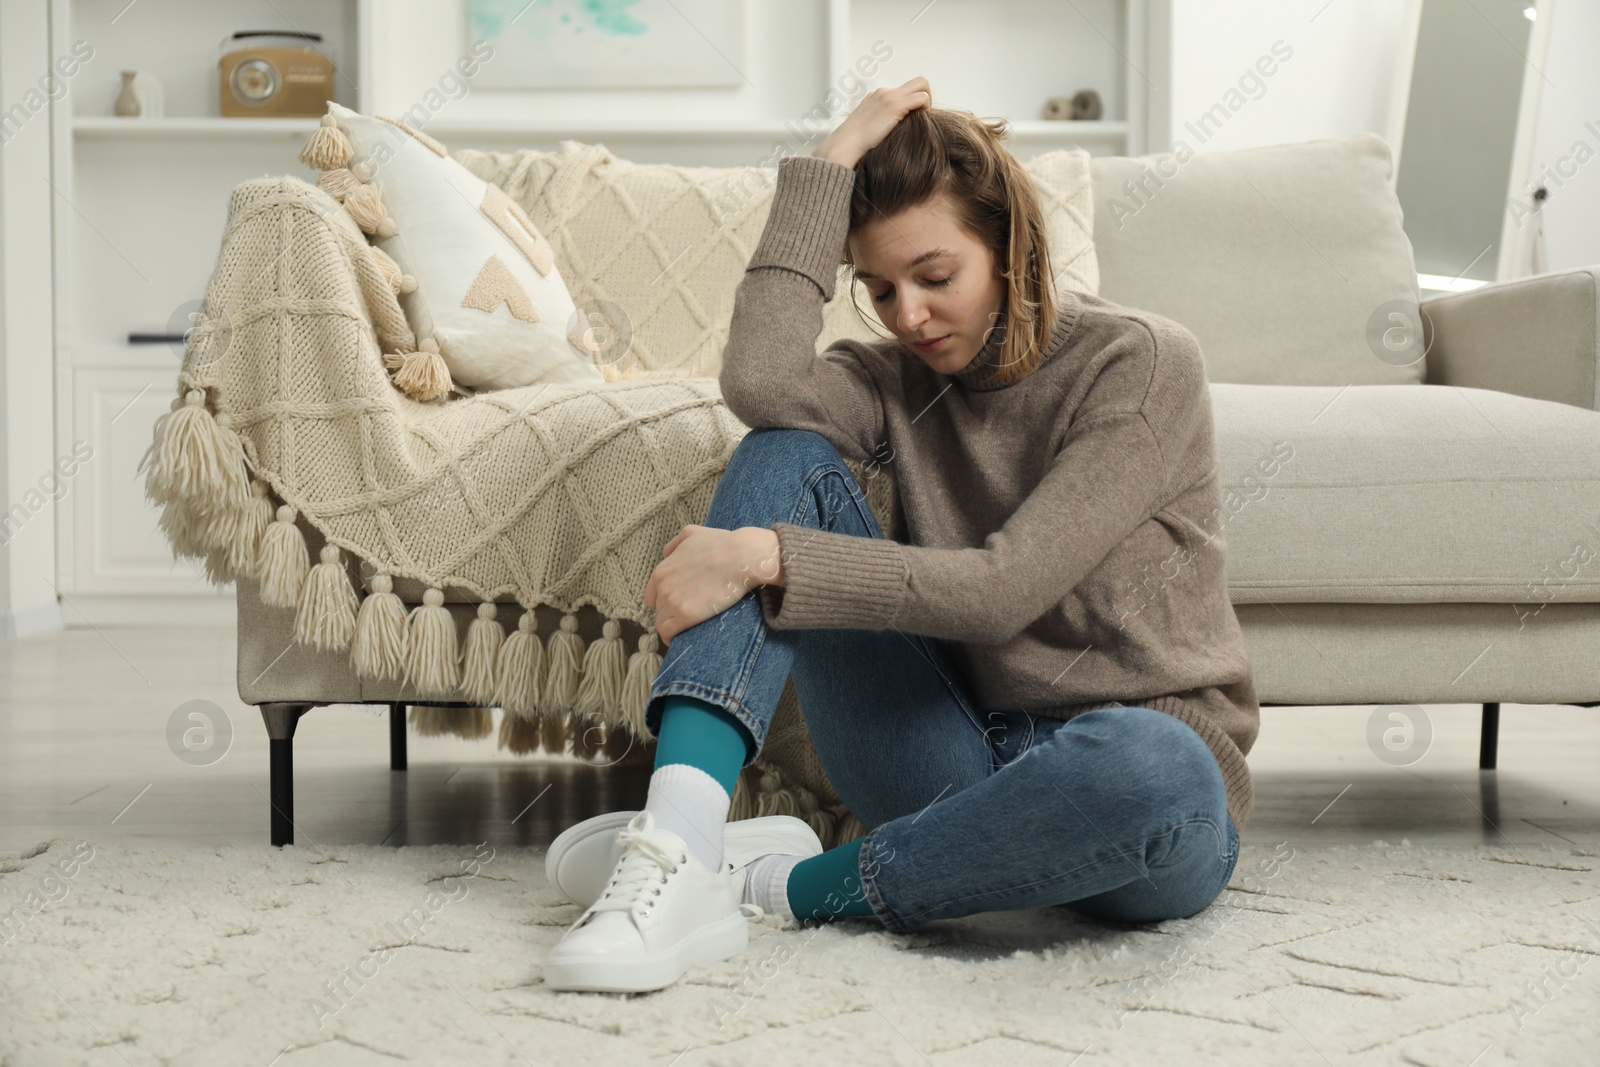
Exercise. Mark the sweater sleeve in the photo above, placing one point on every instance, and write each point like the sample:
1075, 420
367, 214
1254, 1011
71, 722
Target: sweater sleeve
772, 374
1107, 479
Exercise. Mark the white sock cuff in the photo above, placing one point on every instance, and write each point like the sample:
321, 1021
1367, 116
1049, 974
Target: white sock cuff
687, 776
769, 877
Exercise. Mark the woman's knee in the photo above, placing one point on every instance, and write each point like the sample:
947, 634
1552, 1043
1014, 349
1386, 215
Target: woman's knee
1145, 751
783, 444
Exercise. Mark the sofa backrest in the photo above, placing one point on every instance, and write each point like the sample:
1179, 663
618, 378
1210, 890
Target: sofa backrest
1287, 262
666, 245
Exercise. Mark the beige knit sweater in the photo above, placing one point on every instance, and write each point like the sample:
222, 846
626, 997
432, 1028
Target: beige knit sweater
1065, 534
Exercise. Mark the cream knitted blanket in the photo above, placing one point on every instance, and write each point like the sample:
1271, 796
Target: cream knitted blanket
556, 495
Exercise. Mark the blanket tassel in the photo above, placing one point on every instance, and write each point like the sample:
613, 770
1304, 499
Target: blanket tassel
480, 680
588, 736
433, 660
471, 723
600, 689
565, 660
327, 614
519, 736
285, 561
553, 732
378, 649
245, 528
643, 666
520, 663
196, 456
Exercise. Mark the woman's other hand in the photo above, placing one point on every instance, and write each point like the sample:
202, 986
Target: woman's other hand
872, 120
705, 570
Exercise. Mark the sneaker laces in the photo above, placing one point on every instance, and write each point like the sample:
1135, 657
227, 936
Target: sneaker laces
648, 858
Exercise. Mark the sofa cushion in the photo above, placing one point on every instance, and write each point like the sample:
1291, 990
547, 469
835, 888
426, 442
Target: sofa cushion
667, 244
1428, 493
1281, 260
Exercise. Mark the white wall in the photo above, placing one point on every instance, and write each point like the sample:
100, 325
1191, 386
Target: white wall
1336, 81
1340, 77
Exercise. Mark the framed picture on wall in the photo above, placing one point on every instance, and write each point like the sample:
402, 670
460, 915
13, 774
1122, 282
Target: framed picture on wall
583, 44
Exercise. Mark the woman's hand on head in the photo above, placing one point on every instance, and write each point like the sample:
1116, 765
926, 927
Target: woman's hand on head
704, 570
873, 119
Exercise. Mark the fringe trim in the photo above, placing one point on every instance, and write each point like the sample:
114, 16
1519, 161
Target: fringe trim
760, 790
556, 693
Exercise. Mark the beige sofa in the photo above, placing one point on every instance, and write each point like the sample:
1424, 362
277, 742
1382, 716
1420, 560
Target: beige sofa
1401, 528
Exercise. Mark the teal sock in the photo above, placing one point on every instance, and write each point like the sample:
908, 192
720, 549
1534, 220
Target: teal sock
829, 885
699, 733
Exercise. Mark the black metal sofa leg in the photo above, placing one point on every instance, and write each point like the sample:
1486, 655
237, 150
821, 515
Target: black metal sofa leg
281, 720
397, 737
1489, 739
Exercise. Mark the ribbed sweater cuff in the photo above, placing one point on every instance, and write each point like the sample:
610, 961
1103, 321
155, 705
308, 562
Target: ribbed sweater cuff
834, 581
1235, 771
809, 220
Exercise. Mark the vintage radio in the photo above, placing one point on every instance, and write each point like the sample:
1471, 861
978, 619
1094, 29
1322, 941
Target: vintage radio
274, 74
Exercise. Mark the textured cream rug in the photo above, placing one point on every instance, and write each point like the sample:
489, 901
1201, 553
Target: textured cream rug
1383, 953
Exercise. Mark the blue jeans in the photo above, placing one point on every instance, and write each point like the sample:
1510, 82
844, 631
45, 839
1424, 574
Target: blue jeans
1116, 813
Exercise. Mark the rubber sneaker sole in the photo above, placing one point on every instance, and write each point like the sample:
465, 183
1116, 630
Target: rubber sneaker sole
582, 857
605, 974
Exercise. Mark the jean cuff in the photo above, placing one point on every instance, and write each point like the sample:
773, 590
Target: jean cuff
656, 704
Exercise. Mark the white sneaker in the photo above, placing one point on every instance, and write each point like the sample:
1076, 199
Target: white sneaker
582, 857
661, 912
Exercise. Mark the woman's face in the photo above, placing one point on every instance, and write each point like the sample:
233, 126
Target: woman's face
928, 279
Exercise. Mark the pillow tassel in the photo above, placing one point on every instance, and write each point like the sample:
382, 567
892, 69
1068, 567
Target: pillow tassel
484, 638
398, 280
378, 649
328, 147
520, 663
643, 666
337, 182
432, 656
327, 614
421, 375
285, 561
366, 208
601, 685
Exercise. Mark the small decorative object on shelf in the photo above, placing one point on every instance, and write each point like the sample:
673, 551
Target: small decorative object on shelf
1084, 106
274, 74
140, 96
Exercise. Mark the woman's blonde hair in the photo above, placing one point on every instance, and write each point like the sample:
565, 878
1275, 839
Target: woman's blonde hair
939, 150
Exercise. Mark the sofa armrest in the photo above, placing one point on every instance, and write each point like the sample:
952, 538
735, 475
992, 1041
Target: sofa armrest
1536, 337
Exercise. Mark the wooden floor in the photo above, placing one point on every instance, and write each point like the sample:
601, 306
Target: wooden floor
84, 753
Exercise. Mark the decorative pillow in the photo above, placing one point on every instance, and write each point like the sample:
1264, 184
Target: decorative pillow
663, 247
476, 278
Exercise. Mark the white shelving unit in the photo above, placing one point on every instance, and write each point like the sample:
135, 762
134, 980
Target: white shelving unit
140, 204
